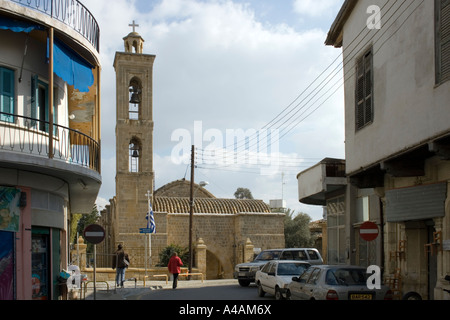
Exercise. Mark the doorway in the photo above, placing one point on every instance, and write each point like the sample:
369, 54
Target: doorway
40, 264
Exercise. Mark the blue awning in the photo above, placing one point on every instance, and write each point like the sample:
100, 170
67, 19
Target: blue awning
18, 26
71, 67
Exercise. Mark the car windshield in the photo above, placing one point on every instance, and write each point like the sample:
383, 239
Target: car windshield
346, 277
268, 255
291, 269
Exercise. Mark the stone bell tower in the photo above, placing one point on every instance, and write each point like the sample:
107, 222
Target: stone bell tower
134, 141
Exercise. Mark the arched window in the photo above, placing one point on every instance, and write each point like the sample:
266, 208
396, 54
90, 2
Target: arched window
134, 155
135, 97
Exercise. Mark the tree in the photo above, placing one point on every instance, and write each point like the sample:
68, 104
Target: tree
296, 230
166, 253
84, 221
243, 193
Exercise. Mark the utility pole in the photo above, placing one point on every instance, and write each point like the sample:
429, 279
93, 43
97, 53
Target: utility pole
191, 211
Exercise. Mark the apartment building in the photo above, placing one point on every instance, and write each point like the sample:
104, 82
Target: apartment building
49, 138
396, 66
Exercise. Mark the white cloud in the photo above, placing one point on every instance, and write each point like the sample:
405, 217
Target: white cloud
215, 62
315, 8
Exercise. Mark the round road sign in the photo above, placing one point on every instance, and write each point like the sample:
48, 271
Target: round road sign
94, 233
368, 231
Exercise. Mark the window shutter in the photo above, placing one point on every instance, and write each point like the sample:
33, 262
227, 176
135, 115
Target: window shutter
443, 41
6, 94
364, 88
368, 87
360, 94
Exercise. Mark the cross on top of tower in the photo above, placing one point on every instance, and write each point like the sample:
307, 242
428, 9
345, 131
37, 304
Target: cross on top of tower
133, 25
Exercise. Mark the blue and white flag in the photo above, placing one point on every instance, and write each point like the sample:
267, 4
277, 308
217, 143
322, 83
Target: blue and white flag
150, 219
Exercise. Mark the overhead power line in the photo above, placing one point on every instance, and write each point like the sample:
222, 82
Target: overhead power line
307, 102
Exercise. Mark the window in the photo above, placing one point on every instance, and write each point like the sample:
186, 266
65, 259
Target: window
294, 255
313, 255
364, 91
362, 209
336, 230
314, 276
442, 41
304, 277
266, 268
6, 94
39, 105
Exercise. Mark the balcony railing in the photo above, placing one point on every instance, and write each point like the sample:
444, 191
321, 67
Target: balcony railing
31, 136
70, 12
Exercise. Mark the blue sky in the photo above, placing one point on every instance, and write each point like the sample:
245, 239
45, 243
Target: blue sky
229, 65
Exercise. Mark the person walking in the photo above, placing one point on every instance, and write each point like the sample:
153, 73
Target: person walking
174, 268
121, 261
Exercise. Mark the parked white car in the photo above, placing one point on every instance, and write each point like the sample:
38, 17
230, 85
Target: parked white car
276, 275
335, 282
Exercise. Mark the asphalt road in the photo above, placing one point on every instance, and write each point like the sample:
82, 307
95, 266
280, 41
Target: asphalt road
218, 292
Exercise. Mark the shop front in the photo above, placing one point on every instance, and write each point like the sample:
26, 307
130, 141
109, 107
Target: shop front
32, 243
416, 214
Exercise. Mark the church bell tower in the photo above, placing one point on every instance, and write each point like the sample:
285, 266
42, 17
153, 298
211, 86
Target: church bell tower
134, 139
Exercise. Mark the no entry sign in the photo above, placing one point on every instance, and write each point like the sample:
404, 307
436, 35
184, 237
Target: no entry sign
94, 233
368, 231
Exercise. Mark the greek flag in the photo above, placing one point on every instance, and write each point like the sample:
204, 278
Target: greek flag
150, 219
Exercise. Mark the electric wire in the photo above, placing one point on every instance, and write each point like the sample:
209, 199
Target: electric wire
339, 83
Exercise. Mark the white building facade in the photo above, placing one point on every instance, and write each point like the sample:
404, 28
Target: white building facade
396, 57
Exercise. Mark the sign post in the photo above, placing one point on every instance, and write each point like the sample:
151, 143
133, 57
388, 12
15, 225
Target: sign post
368, 231
94, 234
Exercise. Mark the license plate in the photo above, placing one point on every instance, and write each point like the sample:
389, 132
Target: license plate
361, 296
242, 274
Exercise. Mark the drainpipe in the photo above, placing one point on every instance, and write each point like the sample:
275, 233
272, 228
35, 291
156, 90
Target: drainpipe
50, 94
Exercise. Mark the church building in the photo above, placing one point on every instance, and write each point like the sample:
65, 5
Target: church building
227, 228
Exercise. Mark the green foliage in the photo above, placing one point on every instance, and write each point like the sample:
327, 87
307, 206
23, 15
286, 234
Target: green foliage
82, 221
296, 230
243, 193
166, 253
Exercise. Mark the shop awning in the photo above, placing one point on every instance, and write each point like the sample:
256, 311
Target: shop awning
18, 26
73, 69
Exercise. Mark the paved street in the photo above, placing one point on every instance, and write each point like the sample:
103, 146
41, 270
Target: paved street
227, 289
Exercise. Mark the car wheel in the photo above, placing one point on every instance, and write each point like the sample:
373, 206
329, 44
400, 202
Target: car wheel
244, 283
288, 294
261, 292
412, 296
278, 295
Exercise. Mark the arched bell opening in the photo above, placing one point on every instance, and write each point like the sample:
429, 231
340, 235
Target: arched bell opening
135, 150
135, 99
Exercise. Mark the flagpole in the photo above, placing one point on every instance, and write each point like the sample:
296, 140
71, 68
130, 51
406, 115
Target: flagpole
147, 257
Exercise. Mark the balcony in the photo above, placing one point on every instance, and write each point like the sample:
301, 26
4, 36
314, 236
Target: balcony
71, 13
39, 146
321, 181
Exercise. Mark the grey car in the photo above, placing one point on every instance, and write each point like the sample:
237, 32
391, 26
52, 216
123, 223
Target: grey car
335, 282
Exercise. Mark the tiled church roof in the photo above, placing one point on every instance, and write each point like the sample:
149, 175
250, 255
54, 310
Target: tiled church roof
205, 205
181, 188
